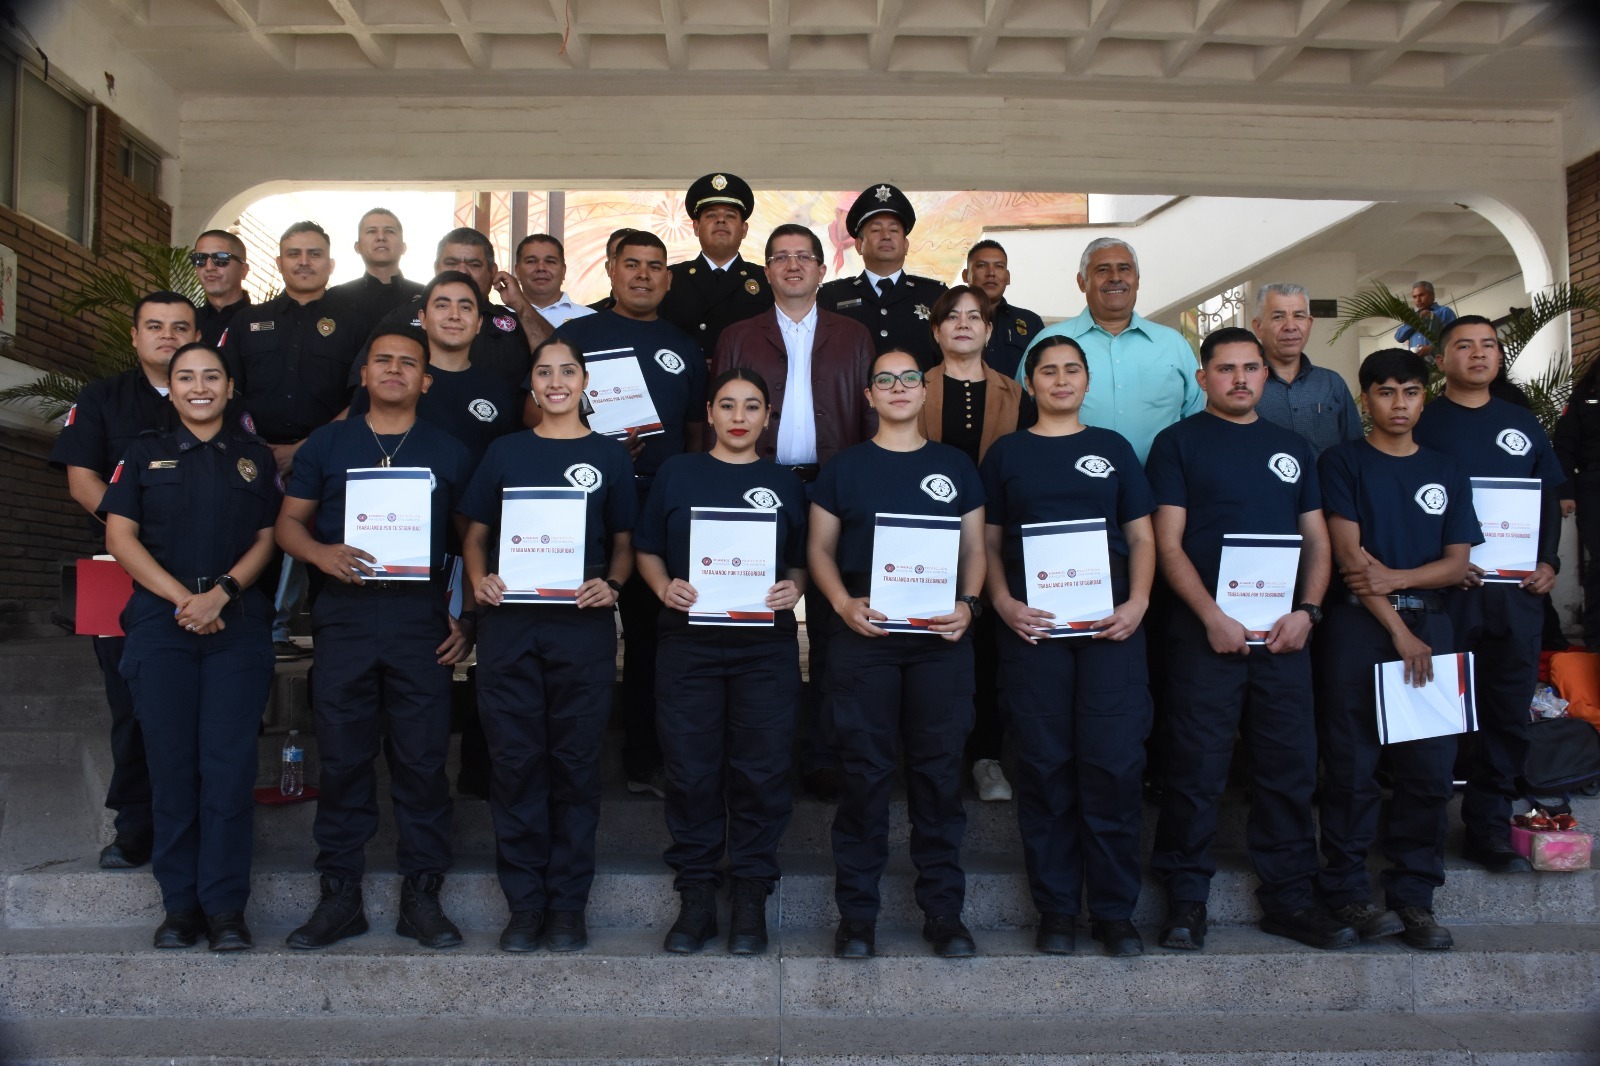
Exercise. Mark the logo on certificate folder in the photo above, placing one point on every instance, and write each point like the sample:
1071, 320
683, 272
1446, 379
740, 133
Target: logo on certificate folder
1094, 466
1514, 442
1432, 498
670, 361
1286, 466
939, 487
583, 476
763, 499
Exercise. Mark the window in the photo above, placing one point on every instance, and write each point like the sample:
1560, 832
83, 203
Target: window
44, 151
141, 166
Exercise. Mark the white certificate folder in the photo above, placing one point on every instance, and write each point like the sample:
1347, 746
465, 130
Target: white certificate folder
1068, 571
914, 561
732, 565
619, 399
542, 544
388, 513
1443, 707
1256, 578
1508, 511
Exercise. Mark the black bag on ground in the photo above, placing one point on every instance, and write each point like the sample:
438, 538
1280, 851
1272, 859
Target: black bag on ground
1563, 758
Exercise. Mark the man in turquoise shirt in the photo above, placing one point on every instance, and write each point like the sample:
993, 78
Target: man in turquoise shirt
1141, 375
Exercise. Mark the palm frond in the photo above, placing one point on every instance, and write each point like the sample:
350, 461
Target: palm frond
1544, 308
52, 395
1378, 302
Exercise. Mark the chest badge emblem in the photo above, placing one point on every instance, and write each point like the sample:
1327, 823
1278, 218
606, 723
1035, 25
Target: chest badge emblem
247, 470
326, 326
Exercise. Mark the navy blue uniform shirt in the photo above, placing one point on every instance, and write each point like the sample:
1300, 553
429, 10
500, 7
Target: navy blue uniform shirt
702, 480
331, 451
1409, 507
1014, 330
290, 362
106, 418
1232, 478
199, 504
865, 481
597, 464
472, 405
501, 348
211, 323
1028, 478
674, 372
376, 298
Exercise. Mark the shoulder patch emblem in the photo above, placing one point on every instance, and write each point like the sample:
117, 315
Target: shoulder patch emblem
1514, 442
583, 476
504, 323
483, 410
1432, 498
72, 415
1094, 466
1285, 466
763, 499
117, 473
670, 361
939, 487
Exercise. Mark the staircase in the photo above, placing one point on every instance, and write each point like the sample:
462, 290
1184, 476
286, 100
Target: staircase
80, 984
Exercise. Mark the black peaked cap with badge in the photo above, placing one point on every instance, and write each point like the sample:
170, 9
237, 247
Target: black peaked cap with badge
898, 318
701, 301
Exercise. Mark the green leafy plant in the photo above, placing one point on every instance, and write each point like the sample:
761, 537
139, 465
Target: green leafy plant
1547, 391
109, 293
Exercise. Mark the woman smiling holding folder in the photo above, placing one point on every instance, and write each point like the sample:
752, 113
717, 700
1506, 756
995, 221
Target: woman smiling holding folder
560, 502
727, 678
892, 678
1078, 706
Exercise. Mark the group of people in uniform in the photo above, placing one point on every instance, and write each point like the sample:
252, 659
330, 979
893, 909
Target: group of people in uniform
819, 409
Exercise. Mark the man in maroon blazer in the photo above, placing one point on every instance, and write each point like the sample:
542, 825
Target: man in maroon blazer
816, 363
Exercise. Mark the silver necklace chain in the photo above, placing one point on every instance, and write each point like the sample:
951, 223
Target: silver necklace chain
388, 457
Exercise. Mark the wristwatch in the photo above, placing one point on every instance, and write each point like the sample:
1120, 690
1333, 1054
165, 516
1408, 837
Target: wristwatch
973, 605
1311, 610
227, 583
616, 586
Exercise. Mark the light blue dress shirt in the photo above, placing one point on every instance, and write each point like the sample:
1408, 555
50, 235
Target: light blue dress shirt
1140, 381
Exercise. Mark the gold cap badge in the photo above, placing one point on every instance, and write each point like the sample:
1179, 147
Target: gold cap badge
719, 183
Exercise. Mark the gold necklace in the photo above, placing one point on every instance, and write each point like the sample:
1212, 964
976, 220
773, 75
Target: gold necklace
388, 457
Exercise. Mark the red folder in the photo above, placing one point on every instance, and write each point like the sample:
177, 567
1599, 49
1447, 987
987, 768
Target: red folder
103, 591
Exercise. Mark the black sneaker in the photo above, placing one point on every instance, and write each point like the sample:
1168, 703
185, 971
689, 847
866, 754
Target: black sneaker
339, 914
522, 931
856, 938
697, 920
1120, 939
564, 931
1057, 935
1311, 926
950, 939
1423, 931
421, 916
1185, 927
747, 929
1368, 921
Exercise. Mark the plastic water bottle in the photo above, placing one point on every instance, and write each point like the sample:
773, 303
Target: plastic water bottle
294, 765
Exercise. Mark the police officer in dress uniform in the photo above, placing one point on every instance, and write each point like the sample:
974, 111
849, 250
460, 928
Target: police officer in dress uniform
546, 668
219, 262
890, 687
1227, 470
674, 371
380, 242
1401, 522
104, 421
1078, 706
727, 692
891, 303
384, 649
1498, 617
1014, 327
189, 515
719, 286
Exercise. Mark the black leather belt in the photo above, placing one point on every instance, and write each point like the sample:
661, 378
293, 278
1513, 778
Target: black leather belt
196, 584
1406, 600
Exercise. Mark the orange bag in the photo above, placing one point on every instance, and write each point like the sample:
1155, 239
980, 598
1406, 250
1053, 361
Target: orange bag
1576, 676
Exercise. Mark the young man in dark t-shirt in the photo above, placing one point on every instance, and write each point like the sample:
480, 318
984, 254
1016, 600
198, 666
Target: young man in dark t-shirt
1401, 523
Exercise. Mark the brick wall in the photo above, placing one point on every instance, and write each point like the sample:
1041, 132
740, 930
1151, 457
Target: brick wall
1583, 248
40, 525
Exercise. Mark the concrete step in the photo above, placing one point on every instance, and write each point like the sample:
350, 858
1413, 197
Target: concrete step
90, 972
61, 886
1326, 1039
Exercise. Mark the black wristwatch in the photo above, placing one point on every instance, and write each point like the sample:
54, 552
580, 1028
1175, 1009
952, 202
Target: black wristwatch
228, 584
616, 586
973, 604
1312, 610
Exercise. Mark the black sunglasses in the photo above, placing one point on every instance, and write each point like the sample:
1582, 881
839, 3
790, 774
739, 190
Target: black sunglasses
222, 259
